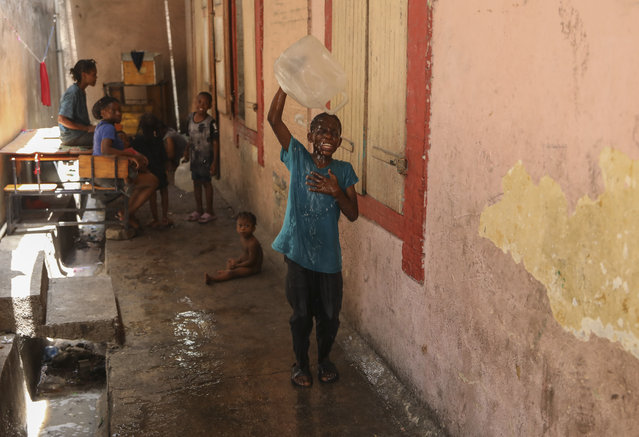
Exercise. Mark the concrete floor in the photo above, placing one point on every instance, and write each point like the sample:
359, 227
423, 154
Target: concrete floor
215, 360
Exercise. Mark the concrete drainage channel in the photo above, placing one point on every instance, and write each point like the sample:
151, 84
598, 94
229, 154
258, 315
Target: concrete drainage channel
53, 387
58, 314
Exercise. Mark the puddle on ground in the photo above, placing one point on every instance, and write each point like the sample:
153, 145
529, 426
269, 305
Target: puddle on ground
194, 352
192, 329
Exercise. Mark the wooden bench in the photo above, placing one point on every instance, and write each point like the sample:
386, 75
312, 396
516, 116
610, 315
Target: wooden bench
102, 167
91, 171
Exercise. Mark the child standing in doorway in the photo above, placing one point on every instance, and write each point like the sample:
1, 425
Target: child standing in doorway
250, 262
202, 150
321, 188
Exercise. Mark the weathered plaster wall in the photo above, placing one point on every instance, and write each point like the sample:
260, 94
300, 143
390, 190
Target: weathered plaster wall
105, 30
243, 180
586, 260
533, 108
20, 104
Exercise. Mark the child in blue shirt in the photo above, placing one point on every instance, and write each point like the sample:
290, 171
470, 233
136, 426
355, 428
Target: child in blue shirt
321, 188
107, 142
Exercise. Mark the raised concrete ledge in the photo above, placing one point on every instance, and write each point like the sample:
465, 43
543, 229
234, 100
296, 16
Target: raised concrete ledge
23, 283
82, 307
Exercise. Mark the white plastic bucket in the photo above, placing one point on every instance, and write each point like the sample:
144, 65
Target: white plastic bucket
183, 177
307, 72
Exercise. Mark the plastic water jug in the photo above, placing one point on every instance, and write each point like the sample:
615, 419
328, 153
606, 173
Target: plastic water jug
307, 72
182, 177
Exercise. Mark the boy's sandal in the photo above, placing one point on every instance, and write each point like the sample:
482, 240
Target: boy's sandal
206, 217
327, 372
194, 216
301, 377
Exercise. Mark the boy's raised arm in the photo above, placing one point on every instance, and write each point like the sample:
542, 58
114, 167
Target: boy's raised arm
275, 119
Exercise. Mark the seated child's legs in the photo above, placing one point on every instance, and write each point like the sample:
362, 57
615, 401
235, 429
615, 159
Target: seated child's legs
225, 275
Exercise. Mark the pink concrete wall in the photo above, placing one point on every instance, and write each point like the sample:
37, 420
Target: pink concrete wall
549, 84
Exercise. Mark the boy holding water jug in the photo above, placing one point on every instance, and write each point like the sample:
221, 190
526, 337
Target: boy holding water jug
320, 189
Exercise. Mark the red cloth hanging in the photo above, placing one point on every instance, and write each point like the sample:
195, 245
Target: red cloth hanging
45, 92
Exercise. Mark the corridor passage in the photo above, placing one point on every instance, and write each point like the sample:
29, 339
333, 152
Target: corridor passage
215, 360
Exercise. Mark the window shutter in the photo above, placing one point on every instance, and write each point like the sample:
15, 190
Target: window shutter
349, 49
386, 123
370, 42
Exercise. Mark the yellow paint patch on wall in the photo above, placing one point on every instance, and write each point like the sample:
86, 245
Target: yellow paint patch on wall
587, 261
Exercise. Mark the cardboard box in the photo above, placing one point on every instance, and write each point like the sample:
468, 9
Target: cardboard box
151, 71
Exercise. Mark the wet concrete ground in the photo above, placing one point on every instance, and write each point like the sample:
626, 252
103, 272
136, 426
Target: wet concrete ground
215, 360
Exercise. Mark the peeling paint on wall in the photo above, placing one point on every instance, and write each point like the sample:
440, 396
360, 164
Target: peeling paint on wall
588, 260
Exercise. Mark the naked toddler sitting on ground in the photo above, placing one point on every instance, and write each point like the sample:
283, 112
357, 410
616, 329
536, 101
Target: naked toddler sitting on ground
250, 262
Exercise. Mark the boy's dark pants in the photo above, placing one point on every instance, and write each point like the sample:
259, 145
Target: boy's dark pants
313, 294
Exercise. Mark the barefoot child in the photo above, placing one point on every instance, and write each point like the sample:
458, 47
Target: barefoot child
320, 189
202, 150
250, 262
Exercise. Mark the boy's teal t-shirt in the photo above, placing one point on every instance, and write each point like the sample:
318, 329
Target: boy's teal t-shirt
310, 234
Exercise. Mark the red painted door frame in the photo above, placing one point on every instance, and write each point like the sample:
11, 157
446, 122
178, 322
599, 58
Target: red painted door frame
408, 226
239, 129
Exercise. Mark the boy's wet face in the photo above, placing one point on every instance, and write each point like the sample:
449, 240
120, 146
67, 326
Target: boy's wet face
244, 227
326, 136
